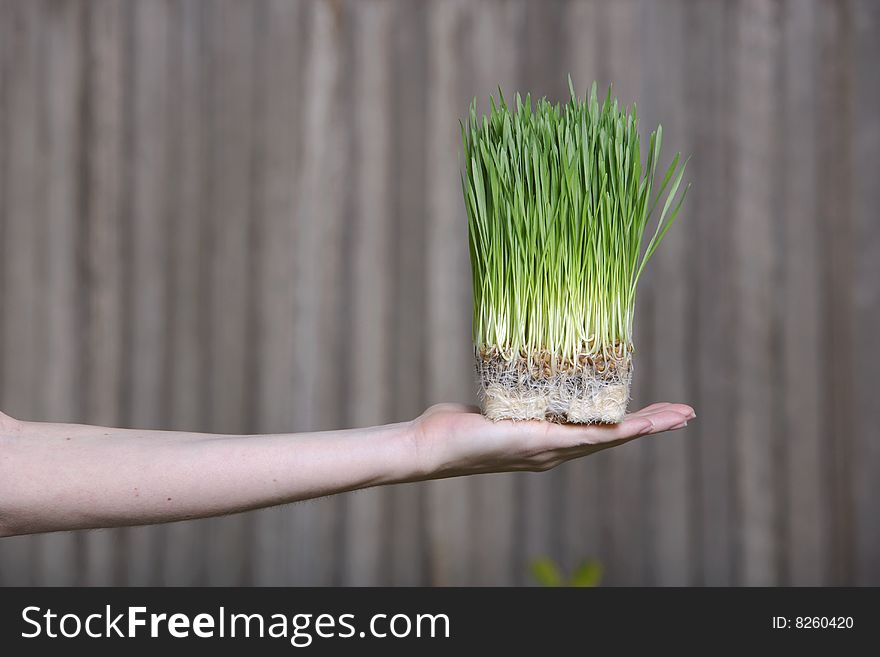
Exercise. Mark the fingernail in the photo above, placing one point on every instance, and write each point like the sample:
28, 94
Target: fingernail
680, 425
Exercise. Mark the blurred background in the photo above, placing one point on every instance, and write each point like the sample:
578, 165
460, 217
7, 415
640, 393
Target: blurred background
246, 216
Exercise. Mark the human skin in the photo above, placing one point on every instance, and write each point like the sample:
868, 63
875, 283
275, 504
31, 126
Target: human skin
56, 477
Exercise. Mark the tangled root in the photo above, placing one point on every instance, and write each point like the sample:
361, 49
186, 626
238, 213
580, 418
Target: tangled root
593, 389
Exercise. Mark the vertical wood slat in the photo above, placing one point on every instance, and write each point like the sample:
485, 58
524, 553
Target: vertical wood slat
497, 63
185, 394
104, 27
58, 324
230, 91
301, 519
756, 249
21, 247
408, 108
334, 213
317, 224
278, 137
371, 357
712, 434
449, 366
5, 77
146, 212
835, 200
669, 525
802, 310
866, 277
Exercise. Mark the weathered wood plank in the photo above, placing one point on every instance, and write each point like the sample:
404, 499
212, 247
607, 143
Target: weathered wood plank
185, 395
543, 49
230, 42
669, 522
58, 324
756, 247
278, 136
6, 73
806, 510
332, 392
450, 359
24, 211
866, 291
106, 57
835, 139
146, 208
366, 518
409, 141
708, 92
317, 264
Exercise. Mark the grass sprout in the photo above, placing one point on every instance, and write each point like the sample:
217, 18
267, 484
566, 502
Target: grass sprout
558, 203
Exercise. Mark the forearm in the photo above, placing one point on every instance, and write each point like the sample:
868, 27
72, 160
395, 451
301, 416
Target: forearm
60, 477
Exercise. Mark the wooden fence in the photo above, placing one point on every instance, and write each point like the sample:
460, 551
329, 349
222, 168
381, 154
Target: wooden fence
246, 216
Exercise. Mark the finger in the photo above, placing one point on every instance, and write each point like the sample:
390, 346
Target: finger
683, 409
449, 407
631, 427
656, 406
634, 426
667, 420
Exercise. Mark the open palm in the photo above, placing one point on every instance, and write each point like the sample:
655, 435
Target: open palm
455, 439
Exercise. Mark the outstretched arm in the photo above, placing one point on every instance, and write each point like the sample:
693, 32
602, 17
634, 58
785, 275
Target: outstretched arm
67, 476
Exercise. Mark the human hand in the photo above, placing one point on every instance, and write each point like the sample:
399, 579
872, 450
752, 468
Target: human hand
455, 439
